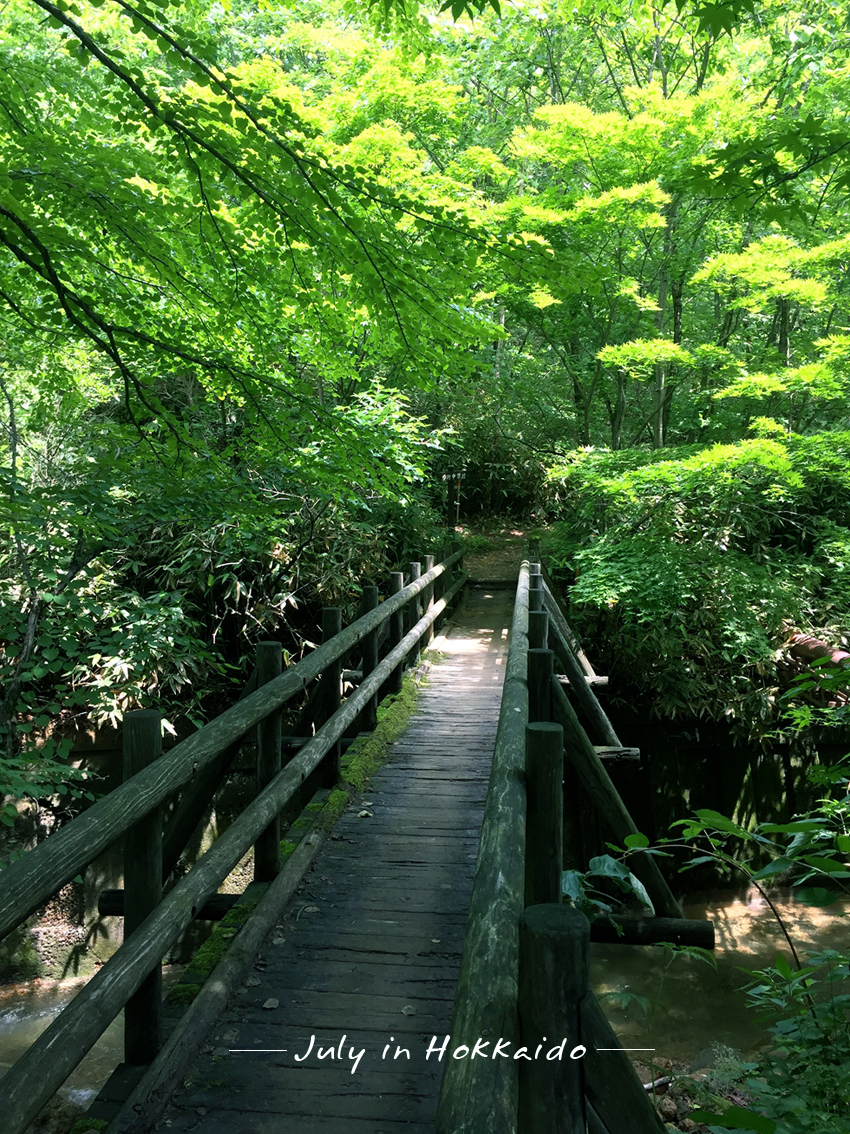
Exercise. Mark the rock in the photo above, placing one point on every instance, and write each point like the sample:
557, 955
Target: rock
666, 1107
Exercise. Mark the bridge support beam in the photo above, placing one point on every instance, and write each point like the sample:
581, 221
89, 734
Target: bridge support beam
414, 613
369, 719
428, 599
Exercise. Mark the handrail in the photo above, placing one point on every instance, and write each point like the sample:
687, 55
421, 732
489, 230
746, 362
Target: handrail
28, 883
480, 1096
36, 1076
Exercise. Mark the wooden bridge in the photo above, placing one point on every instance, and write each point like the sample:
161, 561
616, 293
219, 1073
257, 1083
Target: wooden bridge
411, 970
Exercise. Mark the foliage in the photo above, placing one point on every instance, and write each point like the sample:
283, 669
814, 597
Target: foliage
701, 562
269, 274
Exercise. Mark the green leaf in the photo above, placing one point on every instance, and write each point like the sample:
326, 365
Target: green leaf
736, 1118
636, 841
816, 896
777, 866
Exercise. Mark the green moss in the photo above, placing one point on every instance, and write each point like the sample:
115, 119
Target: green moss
83, 1124
287, 847
333, 808
238, 914
367, 754
183, 994
18, 956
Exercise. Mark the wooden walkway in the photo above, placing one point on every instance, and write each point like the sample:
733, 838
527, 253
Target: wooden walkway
366, 958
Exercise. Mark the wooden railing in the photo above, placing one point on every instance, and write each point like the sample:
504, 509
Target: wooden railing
197, 764
523, 977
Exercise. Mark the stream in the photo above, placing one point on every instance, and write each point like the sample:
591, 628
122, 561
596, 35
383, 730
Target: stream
27, 1009
692, 1006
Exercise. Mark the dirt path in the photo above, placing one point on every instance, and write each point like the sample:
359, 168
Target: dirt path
501, 559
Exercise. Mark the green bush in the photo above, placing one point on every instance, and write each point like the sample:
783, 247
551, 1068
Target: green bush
696, 565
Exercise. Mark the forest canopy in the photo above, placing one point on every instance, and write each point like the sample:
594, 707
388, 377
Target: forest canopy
269, 273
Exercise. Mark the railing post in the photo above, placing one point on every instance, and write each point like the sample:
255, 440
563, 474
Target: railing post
142, 889
553, 946
330, 695
539, 685
427, 564
413, 613
456, 546
369, 718
396, 632
439, 591
535, 589
445, 584
538, 630
534, 551
267, 846
450, 570
544, 848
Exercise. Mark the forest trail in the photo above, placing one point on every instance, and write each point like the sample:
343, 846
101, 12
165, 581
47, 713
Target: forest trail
367, 955
501, 559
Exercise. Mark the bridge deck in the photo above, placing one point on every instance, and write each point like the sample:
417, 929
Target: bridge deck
368, 953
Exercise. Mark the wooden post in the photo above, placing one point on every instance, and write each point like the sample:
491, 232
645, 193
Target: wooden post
544, 774
428, 595
539, 685
553, 945
414, 614
197, 797
445, 585
534, 551
330, 695
142, 889
369, 719
535, 591
538, 630
396, 632
267, 846
455, 548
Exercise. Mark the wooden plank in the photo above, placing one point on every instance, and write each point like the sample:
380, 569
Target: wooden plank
338, 962
185, 1121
